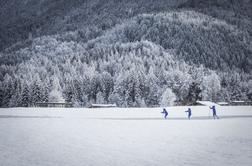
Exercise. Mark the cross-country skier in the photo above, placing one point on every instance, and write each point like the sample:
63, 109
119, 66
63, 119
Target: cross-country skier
189, 111
214, 112
165, 113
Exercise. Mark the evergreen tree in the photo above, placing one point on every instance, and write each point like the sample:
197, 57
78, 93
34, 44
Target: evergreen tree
194, 93
100, 98
133, 92
211, 87
36, 93
8, 90
69, 91
25, 102
78, 95
95, 87
168, 98
153, 96
1, 94
249, 94
55, 94
15, 99
45, 92
107, 85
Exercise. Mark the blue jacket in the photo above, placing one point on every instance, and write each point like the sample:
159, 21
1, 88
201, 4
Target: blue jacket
164, 112
189, 111
214, 110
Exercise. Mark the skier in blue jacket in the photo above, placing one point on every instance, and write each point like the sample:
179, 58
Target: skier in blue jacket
165, 113
189, 111
214, 112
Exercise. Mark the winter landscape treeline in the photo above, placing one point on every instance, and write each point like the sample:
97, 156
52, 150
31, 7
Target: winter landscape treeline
139, 60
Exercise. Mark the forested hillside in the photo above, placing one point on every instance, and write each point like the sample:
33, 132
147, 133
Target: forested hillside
196, 38
47, 17
133, 53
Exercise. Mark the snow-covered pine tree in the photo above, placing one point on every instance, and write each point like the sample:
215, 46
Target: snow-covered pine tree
25, 96
154, 95
95, 87
16, 94
69, 91
168, 98
36, 92
1, 94
107, 84
45, 91
211, 86
55, 94
194, 93
8, 90
100, 98
78, 93
133, 91
249, 94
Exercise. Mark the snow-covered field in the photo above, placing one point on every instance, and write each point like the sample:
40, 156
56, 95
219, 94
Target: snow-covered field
125, 137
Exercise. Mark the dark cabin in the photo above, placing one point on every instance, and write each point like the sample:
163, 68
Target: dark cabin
52, 104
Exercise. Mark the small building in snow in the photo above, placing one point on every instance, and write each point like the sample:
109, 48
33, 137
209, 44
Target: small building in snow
240, 103
206, 103
54, 104
223, 103
102, 105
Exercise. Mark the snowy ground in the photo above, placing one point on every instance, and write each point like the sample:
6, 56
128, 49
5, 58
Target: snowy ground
125, 137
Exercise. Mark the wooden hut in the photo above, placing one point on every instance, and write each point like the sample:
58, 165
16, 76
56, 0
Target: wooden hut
52, 104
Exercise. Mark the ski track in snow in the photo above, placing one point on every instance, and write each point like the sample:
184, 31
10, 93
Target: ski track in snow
125, 137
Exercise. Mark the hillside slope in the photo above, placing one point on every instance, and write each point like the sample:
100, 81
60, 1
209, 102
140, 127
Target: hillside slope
49, 17
131, 53
196, 38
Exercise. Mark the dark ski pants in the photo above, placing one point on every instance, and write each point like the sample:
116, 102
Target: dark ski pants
215, 116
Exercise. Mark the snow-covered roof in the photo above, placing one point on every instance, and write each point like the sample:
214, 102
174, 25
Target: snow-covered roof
53, 103
206, 103
103, 105
238, 101
223, 103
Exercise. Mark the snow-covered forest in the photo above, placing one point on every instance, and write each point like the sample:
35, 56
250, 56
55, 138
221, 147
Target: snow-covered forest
146, 53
